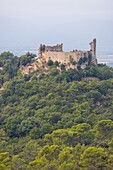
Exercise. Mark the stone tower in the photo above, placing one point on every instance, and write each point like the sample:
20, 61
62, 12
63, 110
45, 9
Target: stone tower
93, 51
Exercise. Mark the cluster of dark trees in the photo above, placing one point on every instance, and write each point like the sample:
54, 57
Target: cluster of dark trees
56, 121
11, 64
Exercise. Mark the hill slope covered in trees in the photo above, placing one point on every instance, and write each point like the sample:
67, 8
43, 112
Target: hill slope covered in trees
55, 121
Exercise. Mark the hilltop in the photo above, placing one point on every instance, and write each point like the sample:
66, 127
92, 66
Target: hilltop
56, 119
76, 59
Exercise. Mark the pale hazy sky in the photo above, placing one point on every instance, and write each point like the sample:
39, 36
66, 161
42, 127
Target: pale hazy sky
27, 23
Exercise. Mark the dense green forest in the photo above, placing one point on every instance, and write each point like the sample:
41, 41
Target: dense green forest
62, 120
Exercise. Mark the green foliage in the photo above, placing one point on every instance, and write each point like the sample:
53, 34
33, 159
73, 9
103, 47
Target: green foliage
54, 71
93, 158
56, 63
26, 59
6, 55
10, 64
62, 66
104, 131
81, 133
61, 120
50, 63
5, 161
18, 163
82, 60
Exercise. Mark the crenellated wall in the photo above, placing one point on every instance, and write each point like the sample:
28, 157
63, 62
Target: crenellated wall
57, 48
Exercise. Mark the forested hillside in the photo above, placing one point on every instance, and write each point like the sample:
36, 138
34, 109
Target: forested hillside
62, 120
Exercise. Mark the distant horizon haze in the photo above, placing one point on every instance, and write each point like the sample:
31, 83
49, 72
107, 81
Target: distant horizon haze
27, 24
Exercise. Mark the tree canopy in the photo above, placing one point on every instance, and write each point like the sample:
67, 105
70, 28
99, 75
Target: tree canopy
62, 119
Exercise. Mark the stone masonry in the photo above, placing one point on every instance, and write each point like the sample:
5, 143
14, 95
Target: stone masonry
56, 53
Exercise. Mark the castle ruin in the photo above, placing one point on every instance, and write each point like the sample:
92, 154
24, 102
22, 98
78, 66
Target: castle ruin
56, 53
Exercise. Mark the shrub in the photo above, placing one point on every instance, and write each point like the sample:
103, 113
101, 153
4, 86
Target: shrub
50, 63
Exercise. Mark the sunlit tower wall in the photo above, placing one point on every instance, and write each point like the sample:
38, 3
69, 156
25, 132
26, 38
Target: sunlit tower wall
93, 51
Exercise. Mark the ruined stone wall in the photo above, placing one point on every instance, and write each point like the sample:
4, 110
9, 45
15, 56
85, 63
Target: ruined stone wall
63, 57
55, 53
57, 48
43, 48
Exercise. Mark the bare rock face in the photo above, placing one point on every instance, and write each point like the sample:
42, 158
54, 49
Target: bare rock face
30, 68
